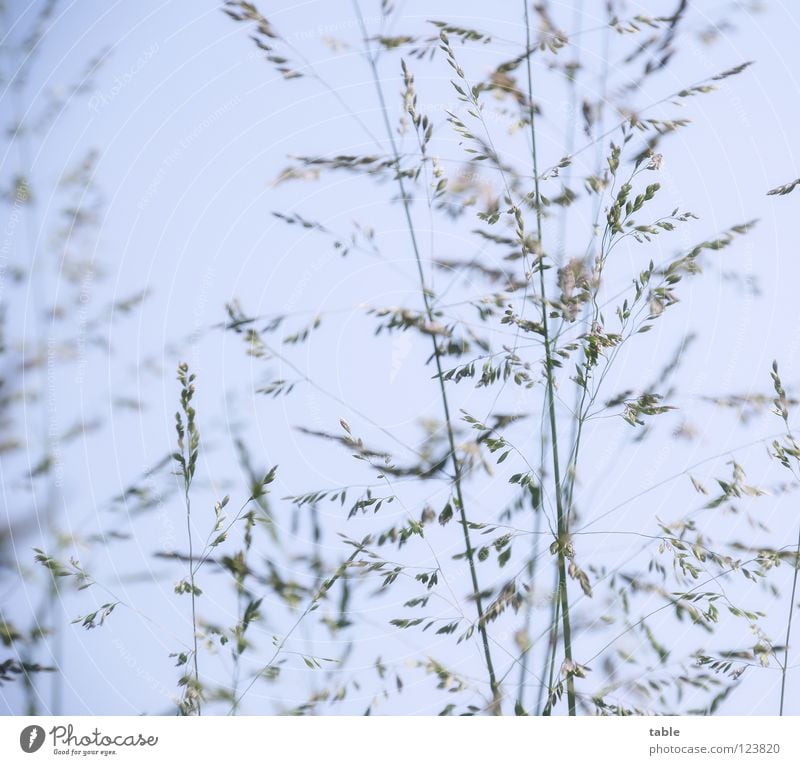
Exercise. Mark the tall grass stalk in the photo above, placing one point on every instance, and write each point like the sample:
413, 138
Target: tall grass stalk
186, 457
457, 477
792, 603
561, 519
789, 456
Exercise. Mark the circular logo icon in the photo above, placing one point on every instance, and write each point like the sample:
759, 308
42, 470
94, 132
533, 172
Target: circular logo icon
31, 738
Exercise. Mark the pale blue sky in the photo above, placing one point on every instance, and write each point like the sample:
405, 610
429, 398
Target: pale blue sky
192, 127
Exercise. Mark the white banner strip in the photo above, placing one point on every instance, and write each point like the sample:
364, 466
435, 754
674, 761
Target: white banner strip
400, 740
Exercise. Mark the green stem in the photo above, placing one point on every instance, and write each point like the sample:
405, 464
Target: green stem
323, 590
562, 520
192, 585
476, 590
552, 645
789, 625
532, 566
